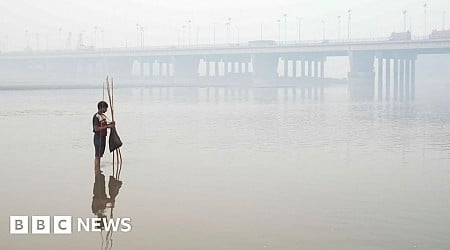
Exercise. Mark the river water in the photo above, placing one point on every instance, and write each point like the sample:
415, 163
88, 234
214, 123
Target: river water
251, 168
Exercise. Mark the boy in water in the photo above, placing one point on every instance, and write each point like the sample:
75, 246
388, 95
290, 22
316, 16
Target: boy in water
100, 126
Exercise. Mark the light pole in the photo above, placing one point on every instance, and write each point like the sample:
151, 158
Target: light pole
279, 30
183, 35
425, 17
261, 32
237, 29
349, 13
299, 19
339, 27
285, 28
404, 20
142, 36
190, 31
103, 41
178, 36
214, 33
228, 23
137, 35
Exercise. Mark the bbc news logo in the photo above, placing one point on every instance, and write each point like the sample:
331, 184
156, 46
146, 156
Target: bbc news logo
63, 224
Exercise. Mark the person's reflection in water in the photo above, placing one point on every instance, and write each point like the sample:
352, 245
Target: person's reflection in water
101, 202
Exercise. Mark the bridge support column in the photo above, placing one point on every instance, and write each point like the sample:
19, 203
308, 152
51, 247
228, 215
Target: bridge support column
380, 78
216, 68
316, 68
402, 80
185, 69
309, 68
120, 67
264, 67
150, 69
294, 68
361, 75
207, 68
413, 79
407, 77
303, 68
141, 68
322, 69
396, 61
388, 79
285, 67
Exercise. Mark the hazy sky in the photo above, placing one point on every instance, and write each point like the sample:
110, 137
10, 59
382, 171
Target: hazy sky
46, 23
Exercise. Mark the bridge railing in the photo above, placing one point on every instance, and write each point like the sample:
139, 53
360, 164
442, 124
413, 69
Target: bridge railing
272, 44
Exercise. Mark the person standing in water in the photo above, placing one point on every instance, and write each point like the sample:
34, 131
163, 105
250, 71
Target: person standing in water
100, 125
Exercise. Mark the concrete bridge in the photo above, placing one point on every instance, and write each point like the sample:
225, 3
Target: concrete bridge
260, 63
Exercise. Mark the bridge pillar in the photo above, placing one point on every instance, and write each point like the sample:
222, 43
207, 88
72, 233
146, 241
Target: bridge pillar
120, 67
150, 69
316, 68
309, 68
166, 69
413, 79
294, 68
161, 69
303, 68
185, 69
407, 74
322, 69
216, 68
402, 80
207, 68
141, 67
285, 67
264, 67
361, 76
396, 61
380, 78
388, 78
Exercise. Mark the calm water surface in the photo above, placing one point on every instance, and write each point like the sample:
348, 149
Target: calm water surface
233, 169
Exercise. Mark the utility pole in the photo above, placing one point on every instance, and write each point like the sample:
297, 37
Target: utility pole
425, 17
349, 13
228, 23
137, 35
279, 30
183, 35
339, 27
299, 19
190, 31
404, 20
261, 32
285, 28
214, 33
